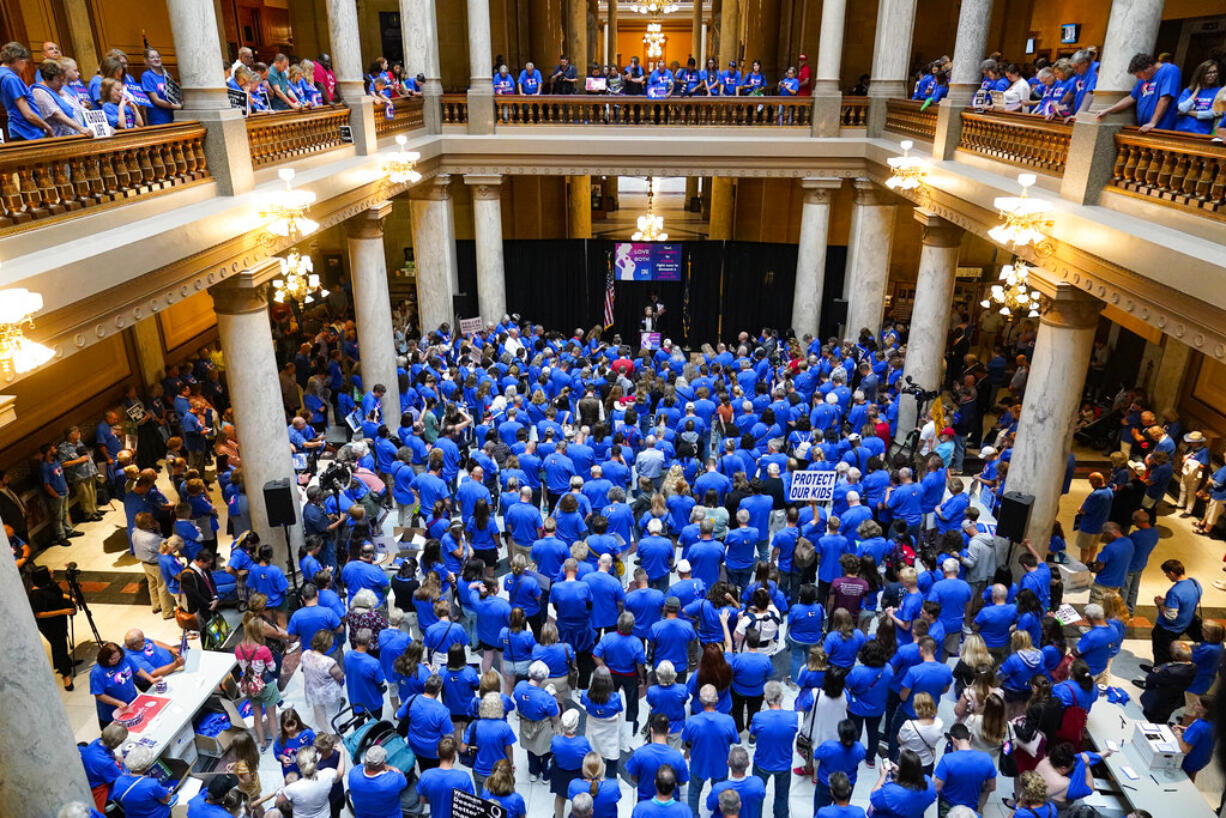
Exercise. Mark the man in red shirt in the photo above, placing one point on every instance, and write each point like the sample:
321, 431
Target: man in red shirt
805, 75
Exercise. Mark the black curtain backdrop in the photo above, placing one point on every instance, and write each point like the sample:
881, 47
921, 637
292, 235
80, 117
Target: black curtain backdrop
733, 287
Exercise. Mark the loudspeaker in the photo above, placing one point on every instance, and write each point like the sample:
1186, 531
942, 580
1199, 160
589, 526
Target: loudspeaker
1013, 515
279, 503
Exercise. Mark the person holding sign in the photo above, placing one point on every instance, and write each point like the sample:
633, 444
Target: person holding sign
121, 112
19, 103
156, 83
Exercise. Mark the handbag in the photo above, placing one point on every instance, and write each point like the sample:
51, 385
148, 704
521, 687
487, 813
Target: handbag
804, 739
468, 756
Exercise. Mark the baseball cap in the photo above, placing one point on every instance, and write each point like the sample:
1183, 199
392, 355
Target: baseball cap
683, 566
672, 604
948, 430
221, 785
803, 57
987, 451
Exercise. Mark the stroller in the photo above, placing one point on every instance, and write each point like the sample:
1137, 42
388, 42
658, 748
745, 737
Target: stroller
1103, 434
360, 731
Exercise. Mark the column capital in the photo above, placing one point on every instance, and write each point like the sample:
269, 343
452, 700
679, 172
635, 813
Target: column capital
936, 232
820, 189
867, 192
1070, 308
246, 291
435, 189
485, 187
369, 223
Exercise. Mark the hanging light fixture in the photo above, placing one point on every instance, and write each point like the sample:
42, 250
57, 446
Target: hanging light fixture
1013, 296
651, 226
1026, 220
656, 7
400, 165
286, 210
19, 354
907, 172
298, 281
654, 40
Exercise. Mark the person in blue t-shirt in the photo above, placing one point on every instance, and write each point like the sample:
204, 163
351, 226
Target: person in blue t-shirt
23, 119
708, 736
749, 788
646, 761
663, 804
964, 777
902, 791
1176, 610
837, 756
529, 81
730, 80
774, 732
155, 81
840, 791
364, 678
1154, 95
504, 83
1111, 565
375, 787
111, 681
1196, 739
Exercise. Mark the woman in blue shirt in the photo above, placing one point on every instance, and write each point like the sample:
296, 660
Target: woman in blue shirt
805, 626
500, 787
1195, 105
569, 752
902, 792
110, 681
754, 83
141, 795
709, 78
605, 792
843, 755
121, 113
24, 121
492, 737
868, 687
844, 640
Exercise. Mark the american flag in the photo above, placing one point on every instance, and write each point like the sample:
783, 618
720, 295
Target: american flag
609, 297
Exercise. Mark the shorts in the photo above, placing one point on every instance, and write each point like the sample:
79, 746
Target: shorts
269, 695
483, 645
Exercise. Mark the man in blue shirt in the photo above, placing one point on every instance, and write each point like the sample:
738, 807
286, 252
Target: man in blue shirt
1093, 513
904, 502
55, 486
312, 617
363, 573
1144, 538
741, 547
646, 603
1175, 610
730, 81
1095, 645
774, 732
529, 81
1154, 95
953, 595
98, 757
155, 658
504, 84
549, 552
750, 788
374, 787
964, 777
429, 722
708, 736
1084, 81
671, 637
644, 762
1111, 565
994, 622
364, 676
663, 804
656, 555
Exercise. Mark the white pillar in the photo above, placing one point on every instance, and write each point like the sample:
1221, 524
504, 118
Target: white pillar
487, 223
194, 26
419, 33
481, 82
255, 394
1053, 392
934, 292
830, 48
42, 769
434, 250
891, 59
373, 306
974, 18
1132, 28
811, 255
869, 242
350, 77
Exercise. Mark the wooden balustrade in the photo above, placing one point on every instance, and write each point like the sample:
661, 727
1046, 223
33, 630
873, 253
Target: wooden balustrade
1024, 140
406, 116
582, 109
903, 116
286, 135
455, 109
49, 178
1177, 169
853, 113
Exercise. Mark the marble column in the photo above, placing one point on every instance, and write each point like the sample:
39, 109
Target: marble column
419, 33
80, 45
576, 37
1053, 392
696, 32
579, 207
372, 306
487, 224
480, 59
434, 250
194, 27
691, 191
827, 91
722, 195
610, 56
42, 769
1170, 373
147, 343
1131, 28
350, 76
891, 59
974, 19
811, 255
729, 32
869, 242
245, 331
934, 292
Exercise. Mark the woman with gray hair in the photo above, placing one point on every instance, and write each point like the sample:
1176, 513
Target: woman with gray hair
669, 698
137, 792
581, 807
363, 613
491, 736
538, 713
568, 751
307, 796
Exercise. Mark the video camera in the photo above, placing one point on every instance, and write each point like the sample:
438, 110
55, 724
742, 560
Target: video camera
336, 477
918, 392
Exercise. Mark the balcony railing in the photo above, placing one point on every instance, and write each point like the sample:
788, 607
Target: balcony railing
1175, 169
286, 135
406, 116
853, 113
50, 178
903, 116
455, 109
633, 110
1019, 139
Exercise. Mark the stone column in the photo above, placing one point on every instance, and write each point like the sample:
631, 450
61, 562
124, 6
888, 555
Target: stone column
610, 57
1170, 373
194, 26
691, 191
42, 769
1053, 391
869, 243
811, 255
1131, 28
579, 207
373, 305
80, 45
974, 18
891, 59
729, 32
761, 36
827, 91
419, 33
487, 224
434, 250
576, 37
722, 194
245, 331
148, 347
480, 82
696, 35
350, 75
934, 292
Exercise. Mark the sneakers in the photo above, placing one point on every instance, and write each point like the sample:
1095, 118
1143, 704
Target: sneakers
1219, 584
871, 761
533, 778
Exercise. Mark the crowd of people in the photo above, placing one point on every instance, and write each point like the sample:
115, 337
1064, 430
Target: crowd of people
614, 577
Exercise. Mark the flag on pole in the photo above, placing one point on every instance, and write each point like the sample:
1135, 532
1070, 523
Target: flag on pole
609, 297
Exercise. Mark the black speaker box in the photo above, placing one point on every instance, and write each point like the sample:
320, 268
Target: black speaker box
1013, 515
279, 502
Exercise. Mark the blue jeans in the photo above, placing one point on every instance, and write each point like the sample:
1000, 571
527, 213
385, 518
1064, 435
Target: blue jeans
695, 793
821, 796
955, 461
900, 718
739, 577
783, 788
800, 655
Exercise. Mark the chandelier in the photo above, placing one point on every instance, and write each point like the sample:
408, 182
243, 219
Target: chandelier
400, 165
651, 226
1013, 296
907, 172
286, 211
19, 354
1026, 220
654, 39
298, 280
655, 7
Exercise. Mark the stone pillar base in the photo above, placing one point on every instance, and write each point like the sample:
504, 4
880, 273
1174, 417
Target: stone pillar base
1091, 159
876, 116
827, 114
949, 131
432, 106
362, 125
480, 110
226, 148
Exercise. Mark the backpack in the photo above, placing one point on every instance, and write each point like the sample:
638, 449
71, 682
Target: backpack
251, 684
804, 555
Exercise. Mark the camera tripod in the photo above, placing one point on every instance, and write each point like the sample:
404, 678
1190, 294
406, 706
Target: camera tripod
73, 575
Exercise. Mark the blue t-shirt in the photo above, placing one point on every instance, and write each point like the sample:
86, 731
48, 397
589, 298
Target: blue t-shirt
927, 677
100, 765
1165, 83
1198, 734
436, 785
12, 88
709, 735
953, 595
994, 622
622, 654
530, 83
141, 796
308, 621
491, 737
1183, 597
1116, 556
670, 639
1144, 540
964, 772
833, 757
608, 793
896, 801
669, 700
835, 811
115, 682
868, 688
775, 732
429, 721
644, 762
652, 808
568, 751
750, 672
362, 678
150, 657
805, 623
1095, 647
154, 83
